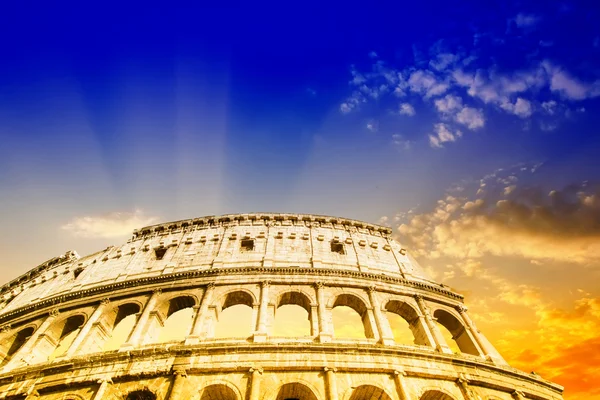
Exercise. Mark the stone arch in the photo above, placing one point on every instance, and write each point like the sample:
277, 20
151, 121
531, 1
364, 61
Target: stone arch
56, 339
114, 334
173, 318
459, 333
411, 316
369, 392
302, 385
297, 299
218, 384
360, 306
295, 390
10, 345
142, 394
237, 297
219, 391
435, 394
246, 313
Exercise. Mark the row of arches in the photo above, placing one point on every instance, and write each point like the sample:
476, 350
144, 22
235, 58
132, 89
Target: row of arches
291, 391
174, 317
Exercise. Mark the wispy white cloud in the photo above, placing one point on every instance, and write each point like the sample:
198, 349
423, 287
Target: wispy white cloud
442, 134
425, 83
523, 20
407, 109
449, 104
108, 225
373, 126
401, 143
471, 118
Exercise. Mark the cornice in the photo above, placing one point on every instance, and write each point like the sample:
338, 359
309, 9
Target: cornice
184, 275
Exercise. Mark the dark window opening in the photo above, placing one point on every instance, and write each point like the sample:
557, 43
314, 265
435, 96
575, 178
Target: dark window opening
160, 252
247, 244
77, 272
337, 247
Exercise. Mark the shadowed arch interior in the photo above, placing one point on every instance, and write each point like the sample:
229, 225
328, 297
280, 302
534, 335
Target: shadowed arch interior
237, 298
457, 330
218, 392
235, 317
293, 315
369, 392
14, 343
122, 325
355, 303
295, 391
435, 395
416, 331
64, 333
144, 394
180, 303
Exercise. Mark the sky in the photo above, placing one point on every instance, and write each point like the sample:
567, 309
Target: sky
470, 129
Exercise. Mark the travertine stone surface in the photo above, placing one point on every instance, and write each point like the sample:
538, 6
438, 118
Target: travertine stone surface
57, 319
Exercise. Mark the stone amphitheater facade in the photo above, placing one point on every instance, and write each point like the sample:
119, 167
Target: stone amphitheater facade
262, 261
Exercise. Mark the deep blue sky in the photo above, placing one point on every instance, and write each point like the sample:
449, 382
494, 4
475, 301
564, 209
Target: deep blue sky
187, 110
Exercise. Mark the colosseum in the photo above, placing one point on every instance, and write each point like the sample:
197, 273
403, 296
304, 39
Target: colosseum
93, 327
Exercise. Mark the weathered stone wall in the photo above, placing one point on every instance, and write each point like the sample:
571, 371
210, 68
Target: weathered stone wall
57, 319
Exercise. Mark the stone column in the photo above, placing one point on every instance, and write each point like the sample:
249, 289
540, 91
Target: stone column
197, 334
104, 385
255, 383
488, 352
385, 335
440, 342
28, 350
140, 327
261, 333
87, 327
179, 378
463, 384
400, 384
517, 394
324, 333
330, 383
314, 320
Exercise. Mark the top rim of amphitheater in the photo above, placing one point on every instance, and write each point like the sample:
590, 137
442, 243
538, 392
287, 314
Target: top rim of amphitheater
268, 216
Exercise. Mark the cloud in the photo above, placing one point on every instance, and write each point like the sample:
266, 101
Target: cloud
563, 225
425, 83
521, 108
108, 225
449, 104
407, 109
568, 86
471, 118
523, 20
400, 142
442, 134
443, 60
549, 107
373, 126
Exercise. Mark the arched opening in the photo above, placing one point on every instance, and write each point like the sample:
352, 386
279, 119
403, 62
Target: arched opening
295, 391
292, 315
218, 392
235, 318
122, 325
65, 335
459, 340
369, 392
435, 395
143, 394
405, 323
179, 319
11, 345
346, 309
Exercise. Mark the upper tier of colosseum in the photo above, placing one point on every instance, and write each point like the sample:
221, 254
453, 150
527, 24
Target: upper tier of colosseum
266, 240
